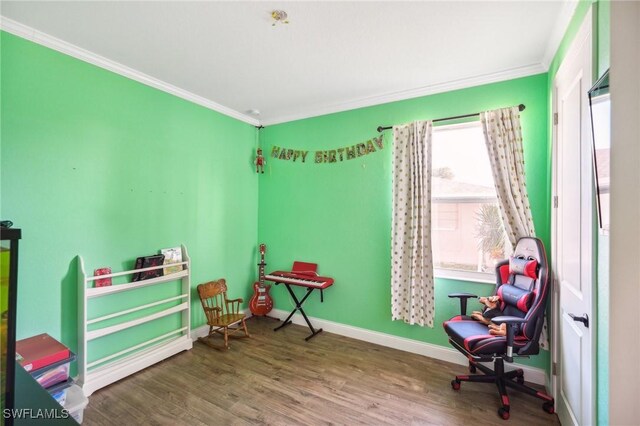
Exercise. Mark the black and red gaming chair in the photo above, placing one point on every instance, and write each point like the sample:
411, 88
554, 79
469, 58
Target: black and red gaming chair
522, 282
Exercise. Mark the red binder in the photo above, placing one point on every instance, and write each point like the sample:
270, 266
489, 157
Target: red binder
40, 351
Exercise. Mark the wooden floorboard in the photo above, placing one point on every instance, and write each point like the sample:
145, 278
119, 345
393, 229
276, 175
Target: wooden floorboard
280, 379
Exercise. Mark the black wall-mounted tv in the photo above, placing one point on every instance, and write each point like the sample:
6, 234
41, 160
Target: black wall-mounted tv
600, 106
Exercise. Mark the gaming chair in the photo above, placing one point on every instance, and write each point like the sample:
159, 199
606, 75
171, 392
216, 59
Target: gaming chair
522, 283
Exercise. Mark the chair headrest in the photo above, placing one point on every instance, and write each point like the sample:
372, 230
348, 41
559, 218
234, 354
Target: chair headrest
522, 266
530, 248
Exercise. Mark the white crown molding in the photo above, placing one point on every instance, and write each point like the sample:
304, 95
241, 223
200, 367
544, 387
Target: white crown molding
532, 374
448, 86
61, 46
559, 30
64, 47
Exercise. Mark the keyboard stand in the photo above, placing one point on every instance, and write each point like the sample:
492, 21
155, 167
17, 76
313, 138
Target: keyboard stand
298, 307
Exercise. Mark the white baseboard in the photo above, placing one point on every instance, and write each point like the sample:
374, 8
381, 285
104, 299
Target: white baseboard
532, 374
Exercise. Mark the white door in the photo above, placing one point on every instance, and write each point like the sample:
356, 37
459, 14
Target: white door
573, 236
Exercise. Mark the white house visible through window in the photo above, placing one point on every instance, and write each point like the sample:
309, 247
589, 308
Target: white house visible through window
445, 217
467, 232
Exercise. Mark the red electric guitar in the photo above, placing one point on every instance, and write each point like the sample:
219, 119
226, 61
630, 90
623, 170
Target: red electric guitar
261, 303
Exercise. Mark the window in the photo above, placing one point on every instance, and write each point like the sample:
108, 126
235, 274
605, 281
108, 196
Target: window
445, 217
467, 232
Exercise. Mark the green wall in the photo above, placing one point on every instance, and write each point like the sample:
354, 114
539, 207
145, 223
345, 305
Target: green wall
603, 8
95, 164
339, 215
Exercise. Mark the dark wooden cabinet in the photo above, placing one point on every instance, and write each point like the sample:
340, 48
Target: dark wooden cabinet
9, 287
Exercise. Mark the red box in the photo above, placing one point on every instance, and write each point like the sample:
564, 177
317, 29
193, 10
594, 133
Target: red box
40, 351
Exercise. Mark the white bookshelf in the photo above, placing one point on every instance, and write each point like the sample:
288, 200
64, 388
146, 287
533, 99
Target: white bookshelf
98, 373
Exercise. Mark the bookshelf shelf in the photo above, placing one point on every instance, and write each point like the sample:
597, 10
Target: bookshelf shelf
103, 291
115, 366
91, 335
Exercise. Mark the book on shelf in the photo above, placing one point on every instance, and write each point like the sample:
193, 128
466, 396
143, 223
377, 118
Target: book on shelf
138, 265
102, 282
40, 351
172, 255
148, 262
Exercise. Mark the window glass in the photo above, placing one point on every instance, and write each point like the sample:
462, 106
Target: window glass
467, 231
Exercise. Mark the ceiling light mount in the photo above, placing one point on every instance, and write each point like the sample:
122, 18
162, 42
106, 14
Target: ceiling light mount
279, 17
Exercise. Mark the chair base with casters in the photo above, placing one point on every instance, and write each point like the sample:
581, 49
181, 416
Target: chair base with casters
223, 315
503, 380
522, 287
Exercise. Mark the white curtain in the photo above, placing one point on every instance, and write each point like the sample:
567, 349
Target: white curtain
503, 136
412, 289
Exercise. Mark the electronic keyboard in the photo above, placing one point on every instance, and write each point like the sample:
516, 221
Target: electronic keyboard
302, 274
298, 278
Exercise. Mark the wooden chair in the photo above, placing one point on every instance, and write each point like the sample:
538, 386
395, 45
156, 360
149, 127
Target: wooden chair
221, 312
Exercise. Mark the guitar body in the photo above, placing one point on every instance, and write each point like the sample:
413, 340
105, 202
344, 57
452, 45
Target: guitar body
261, 302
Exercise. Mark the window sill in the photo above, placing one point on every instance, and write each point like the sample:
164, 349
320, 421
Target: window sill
473, 277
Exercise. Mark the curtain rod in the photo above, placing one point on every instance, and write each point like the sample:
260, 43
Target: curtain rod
380, 128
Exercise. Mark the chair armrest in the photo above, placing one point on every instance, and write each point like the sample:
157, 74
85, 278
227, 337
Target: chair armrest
465, 295
235, 304
511, 322
463, 300
212, 313
508, 320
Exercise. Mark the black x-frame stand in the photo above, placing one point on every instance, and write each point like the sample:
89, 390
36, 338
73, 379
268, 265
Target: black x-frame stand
298, 307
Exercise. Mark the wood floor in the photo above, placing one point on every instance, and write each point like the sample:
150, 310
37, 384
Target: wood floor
279, 379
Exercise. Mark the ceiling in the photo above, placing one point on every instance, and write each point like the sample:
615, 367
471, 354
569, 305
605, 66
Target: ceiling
331, 56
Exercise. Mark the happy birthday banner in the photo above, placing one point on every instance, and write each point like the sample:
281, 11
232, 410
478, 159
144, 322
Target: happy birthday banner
331, 155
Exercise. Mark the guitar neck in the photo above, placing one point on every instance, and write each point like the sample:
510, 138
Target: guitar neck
261, 270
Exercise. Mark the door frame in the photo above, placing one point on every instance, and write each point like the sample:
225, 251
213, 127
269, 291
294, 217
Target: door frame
587, 28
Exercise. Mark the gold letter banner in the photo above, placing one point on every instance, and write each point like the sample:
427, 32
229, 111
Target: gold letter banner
331, 155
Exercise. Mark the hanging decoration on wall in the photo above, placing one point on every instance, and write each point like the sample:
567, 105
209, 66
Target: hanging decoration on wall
260, 161
331, 155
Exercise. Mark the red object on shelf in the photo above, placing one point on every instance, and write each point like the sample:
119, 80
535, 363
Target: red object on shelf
102, 282
40, 351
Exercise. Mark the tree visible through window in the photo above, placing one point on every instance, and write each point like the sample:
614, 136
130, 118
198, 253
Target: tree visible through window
467, 233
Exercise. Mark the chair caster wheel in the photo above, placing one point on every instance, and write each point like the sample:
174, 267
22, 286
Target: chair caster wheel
472, 368
455, 384
548, 407
504, 414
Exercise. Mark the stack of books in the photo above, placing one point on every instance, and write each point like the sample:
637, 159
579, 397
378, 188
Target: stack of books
48, 361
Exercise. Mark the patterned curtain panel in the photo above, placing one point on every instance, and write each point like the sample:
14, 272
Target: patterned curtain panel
412, 290
503, 136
